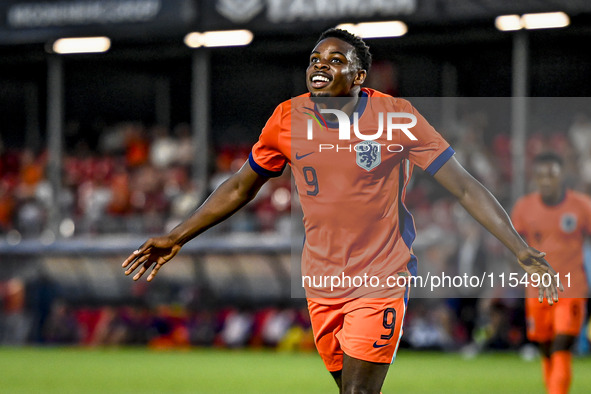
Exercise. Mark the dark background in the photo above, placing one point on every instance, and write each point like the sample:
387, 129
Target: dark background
248, 82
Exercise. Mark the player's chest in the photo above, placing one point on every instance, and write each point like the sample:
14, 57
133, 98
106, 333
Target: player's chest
554, 225
325, 150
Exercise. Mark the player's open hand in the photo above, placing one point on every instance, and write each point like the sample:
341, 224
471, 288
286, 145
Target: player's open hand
156, 251
533, 262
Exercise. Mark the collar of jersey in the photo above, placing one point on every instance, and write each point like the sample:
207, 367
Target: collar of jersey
360, 108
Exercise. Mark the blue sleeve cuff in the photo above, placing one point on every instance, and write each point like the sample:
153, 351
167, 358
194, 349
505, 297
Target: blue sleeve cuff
262, 171
440, 161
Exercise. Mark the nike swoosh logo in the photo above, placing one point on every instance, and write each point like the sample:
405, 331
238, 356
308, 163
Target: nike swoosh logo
375, 344
298, 157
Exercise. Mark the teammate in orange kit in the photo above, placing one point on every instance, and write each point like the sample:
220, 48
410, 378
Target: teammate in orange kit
556, 220
352, 196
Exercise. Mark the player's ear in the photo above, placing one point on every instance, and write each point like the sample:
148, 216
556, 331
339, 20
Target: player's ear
360, 77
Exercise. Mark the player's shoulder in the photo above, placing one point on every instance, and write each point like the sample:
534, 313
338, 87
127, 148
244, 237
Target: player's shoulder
282, 111
579, 198
286, 106
527, 201
398, 103
374, 93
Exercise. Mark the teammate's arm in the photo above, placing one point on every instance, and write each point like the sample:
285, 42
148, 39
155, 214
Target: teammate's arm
485, 208
228, 198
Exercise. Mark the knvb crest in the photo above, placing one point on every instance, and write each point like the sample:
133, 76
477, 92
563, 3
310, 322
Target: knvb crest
568, 223
369, 155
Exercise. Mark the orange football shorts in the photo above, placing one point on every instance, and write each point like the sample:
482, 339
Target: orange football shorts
545, 321
368, 329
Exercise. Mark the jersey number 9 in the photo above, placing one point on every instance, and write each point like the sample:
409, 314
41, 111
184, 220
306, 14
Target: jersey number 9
311, 180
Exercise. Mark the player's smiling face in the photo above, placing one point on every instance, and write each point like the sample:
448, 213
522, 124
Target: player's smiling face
334, 69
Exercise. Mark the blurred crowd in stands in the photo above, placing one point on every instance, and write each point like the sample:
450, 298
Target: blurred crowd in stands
139, 180
468, 325
164, 326
169, 327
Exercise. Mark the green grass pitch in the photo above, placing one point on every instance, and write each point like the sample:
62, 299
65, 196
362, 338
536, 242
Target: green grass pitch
76, 370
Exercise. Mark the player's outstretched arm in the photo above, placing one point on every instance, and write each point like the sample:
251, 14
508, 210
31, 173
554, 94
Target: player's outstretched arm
485, 208
228, 198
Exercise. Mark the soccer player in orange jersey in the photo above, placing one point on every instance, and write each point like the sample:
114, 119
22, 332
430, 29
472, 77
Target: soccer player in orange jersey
556, 220
352, 197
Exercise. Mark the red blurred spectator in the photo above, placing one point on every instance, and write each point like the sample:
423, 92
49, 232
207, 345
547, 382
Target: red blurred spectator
30, 174
120, 203
7, 205
138, 146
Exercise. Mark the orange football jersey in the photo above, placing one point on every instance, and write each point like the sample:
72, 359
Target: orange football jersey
560, 231
352, 191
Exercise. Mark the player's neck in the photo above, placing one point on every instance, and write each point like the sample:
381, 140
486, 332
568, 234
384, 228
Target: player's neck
554, 199
346, 104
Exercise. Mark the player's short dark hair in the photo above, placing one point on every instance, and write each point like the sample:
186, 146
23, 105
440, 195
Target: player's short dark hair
361, 48
549, 157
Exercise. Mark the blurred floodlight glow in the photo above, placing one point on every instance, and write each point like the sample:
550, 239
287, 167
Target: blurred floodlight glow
376, 29
220, 38
350, 27
382, 29
81, 45
193, 40
223, 38
546, 20
508, 22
